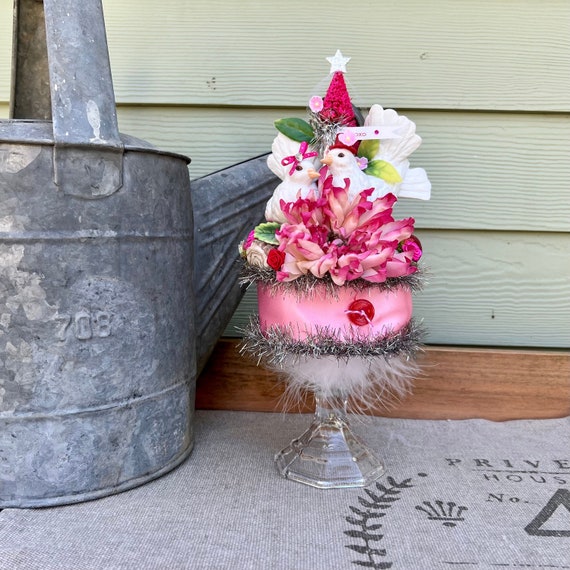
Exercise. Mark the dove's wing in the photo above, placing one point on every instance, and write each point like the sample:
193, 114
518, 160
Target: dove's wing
282, 147
276, 167
415, 185
398, 149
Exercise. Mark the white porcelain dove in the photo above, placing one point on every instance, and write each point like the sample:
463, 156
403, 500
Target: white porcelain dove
342, 164
297, 175
415, 183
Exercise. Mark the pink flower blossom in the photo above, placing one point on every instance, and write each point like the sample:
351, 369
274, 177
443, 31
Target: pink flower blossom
414, 246
316, 104
362, 162
249, 240
327, 232
347, 138
399, 266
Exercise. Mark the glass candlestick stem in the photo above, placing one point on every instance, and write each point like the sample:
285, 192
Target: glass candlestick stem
328, 455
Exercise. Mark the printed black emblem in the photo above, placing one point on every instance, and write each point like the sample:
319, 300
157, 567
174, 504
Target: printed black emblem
447, 513
560, 500
371, 509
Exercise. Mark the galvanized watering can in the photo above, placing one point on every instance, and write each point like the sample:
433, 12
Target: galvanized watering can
103, 325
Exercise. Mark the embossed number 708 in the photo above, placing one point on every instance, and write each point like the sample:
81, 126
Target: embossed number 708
85, 325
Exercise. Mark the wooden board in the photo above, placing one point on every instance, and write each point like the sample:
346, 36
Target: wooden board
488, 289
458, 383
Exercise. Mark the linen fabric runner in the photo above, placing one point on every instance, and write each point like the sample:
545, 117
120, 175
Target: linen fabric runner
457, 495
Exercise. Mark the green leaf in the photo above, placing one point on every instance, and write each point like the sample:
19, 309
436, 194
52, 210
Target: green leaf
266, 232
296, 129
369, 148
384, 170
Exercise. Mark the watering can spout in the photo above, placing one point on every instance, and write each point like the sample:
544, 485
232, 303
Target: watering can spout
226, 205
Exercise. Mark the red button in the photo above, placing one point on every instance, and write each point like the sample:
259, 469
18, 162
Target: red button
361, 312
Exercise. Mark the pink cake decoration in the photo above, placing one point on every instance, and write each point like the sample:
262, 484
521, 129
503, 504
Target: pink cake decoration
335, 270
350, 315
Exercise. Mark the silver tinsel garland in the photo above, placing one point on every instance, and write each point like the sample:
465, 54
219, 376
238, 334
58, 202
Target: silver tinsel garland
325, 131
307, 285
276, 344
365, 371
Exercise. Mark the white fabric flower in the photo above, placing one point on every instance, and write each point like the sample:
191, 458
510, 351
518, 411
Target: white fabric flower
256, 255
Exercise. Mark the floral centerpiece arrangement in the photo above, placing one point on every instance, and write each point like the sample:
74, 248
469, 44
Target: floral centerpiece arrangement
331, 236
335, 273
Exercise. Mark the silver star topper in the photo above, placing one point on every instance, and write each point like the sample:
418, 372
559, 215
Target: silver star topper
338, 62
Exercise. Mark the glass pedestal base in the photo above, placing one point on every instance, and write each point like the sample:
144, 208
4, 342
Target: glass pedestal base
328, 455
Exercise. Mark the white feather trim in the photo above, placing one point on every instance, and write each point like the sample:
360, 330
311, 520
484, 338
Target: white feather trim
365, 382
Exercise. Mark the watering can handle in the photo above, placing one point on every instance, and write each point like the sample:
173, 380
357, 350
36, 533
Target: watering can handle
88, 153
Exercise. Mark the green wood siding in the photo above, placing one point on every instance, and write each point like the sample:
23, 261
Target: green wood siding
467, 54
486, 81
5, 54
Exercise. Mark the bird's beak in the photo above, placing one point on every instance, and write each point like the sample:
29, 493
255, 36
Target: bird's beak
312, 174
327, 160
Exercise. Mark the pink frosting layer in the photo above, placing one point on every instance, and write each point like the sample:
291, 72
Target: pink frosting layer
391, 310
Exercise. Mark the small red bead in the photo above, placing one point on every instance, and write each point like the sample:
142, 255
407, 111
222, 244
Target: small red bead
360, 312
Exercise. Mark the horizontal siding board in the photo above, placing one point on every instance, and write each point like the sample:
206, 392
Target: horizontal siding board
213, 138
504, 289
6, 7
494, 171
476, 54
488, 170
473, 55
487, 289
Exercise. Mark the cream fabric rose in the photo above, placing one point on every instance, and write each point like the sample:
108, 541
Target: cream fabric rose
256, 255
